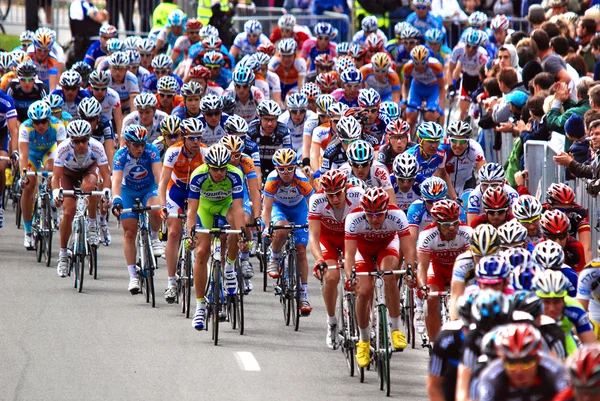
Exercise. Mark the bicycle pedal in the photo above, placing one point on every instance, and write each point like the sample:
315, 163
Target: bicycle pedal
277, 290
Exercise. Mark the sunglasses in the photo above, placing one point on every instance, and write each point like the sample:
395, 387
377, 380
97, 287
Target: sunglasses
530, 221
421, 7
26, 79
347, 141
166, 95
557, 236
289, 169
99, 89
459, 141
335, 120
160, 72
373, 110
173, 136
297, 111
138, 144
471, 47
361, 165
497, 212
524, 364
238, 86
409, 42
193, 32
70, 88
236, 156
219, 169
212, 66
146, 54
404, 179
352, 86
334, 194
270, 120
398, 137
253, 35
376, 214
88, 119
42, 50
212, 113
454, 223
431, 140
40, 122
378, 71
59, 110
79, 141
118, 68
490, 185
194, 138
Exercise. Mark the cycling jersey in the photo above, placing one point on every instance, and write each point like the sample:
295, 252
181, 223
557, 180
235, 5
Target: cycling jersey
402, 56
588, 288
433, 71
430, 21
386, 155
247, 110
212, 135
110, 102
273, 83
339, 96
153, 129
93, 53
288, 195
181, 167
360, 37
251, 149
103, 131
167, 36
405, 199
288, 78
358, 228
176, 102
461, 168
7, 109
47, 68
378, 175
151, 81
71, 107
296, 131
321, 135
390, 83
310, 123
335, 155
268, 145
309, 51
182, 112
129, 86
443, 252
248, 170
22, 99
137, 173
245, 47
574, 317
182, 45
142, 74
463, 270
68, 159
428, 167
377, 129
446, 354
469, 65
418, 215
197, 51
475, 198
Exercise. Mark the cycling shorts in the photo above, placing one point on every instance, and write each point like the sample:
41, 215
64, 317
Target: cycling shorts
129, 196
297, 214
330, 246
72, 179
4, 137
288, 88
439, 276
175, 199
596, 330
419, 92
247, 203
468, 85
38, 160
207, 211
369, 252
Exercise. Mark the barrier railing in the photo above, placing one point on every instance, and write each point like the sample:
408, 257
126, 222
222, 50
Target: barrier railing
542, 169
591, 205
492, 155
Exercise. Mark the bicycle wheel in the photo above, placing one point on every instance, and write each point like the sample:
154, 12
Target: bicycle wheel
294, 274
344, 330
19, 213
216, 300
187, 284
383, 350
240, 296
149, 268
74, 270
411, 317
93, 261
284, 286
262, 257
38, 242
48, 233
4, 9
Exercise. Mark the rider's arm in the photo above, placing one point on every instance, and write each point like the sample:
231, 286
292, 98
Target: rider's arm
234, 51
451, 68
192, 212
434, 388
314, 233
239, 220
422, 266
408, 248
13, 130
162, 185
118, 118
117, 180
396, 96
267, 207
350, 249
23, 154
463, 378
315, 155
57, 173
156, 170
443, 174
109, 148
585, 237
442, 92
406, 87
457, 288
53, 81
254, 192
104, 174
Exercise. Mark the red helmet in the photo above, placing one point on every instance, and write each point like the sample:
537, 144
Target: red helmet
518, 341
359, 113
495, 198
397, 127
327, 82
374, 43
554, 222
267, 48
333, 181
193, 24
445, 210
560, 194
375, 200
584, 367
200, 72
324, 60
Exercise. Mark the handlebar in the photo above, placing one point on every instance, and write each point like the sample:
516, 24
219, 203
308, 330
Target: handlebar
37, 173
176, 216
290, 226
217, 231
438, 293
139, 209
379, 273
79, 192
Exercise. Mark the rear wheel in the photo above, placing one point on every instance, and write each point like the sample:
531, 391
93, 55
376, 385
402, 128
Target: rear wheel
38, 242
384, 350
295, 286
48, 232
19, 213
187, 284
216, 301
150, 263
240, 296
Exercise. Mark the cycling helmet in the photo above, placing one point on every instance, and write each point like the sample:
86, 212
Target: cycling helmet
351, 76
430, 131
434, 35
324, 101
114, 45
296, 101
399, 27
433, 189
193, 24
445, 210
191, 127
491, 172
369, 98
419, 54
79, 129
167, 85
554, 222
286, 21
135, 134
490, 309
375, 200
410, 32
369, 23
27, 69
460, 129
374, 43
549, 255
405, 166
145, 100
551, 284
228, 104
253, 27
343, 48
176, 18
170, 125
360, 152
70, 78
526, 207
99, 79
6, 61
324, 60
357, 182
525, 300
146, 46
485, 240
234, 143
397, 127
557, 3
381, 61
200, 72
324, 29
287, 47
211, 102
243, 76
249, 62
344, 63
512, 232
108, 30
474, 38
326, 81
560, 194
267, 48
262, 58
478, 19
333, 181
390, 109
191, 88
425, 3
162, 62
284, 157
83, 69
26, 38
132, 42
359, 113
584, 367
518, 341
357, 51
495, 198
17, 57
268, 108
337, 109
89, 108
522, 276
236, 125
310, 90
464, 305
212, 43
119, 60
57, 102
499, 23
217, 156
517, 256
348, 128
39, 110
43, 39
491, 269
208, 30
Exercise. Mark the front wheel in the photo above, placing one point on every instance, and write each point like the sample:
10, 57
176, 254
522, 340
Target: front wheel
295, 286
384, 350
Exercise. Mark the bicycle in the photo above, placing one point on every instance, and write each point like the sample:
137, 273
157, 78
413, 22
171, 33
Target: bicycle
13, 192
185, 267
288, 285
146, 260
443, 308
407, 307
79, 247
42, 224
381, 335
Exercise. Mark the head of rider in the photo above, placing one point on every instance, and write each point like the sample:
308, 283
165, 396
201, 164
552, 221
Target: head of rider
491, 175
430, 135
434, 39
297, 104
358, 53
287, 51
99, 81
472, 42
217, 158
79, 131
107, 32
512, 235
351, 82
422, 8
324, 63
499, 26
176, 20
311, 90
323, 103
253, 29
70, 82
369, 100
56, 103
333, 183
492, 273
405, 170
552, 286
26, 72
262, 59
549, 255
528, 211
348, 131
135, 137
39, 113
212, 109
495, 205
236, 146
446, 215
433, 189
84, 70
145, 104
268, 111
484, 242
397, 135
191, 92
89, 109
381, 66
375, 203
192, 130
162, 65
213, 60
43, 39
236, 125
410, 37
167, 88
192, 29
118, 63
324, 32
458, 134
373, 44
286, 25
360, 157
584, 370
285, 164
200, 74
555, 227
243, 79
146, 48
170, 130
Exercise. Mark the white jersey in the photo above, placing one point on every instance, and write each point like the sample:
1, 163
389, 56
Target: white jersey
588, 288
153, 129
142, 74
245, 47
320, 209
461, 168
310, 124
321, 134
214, 90
247, 110
110, 102
444, 252
67, 158
273, 81
358, 228
470, 65
464, 269
296, 131
405, 199
379, 175
126, 89
474, 205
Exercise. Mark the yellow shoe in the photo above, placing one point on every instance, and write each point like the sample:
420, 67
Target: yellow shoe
363, 353
398, 340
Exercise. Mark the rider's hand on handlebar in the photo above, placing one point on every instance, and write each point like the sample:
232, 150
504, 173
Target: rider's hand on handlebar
163, 213
319, 269
117, 206
423, 291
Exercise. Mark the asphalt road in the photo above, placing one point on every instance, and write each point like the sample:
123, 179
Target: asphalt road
104, 344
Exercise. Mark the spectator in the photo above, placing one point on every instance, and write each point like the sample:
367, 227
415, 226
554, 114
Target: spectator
595, 49
555, 119
578, 64
536, 16
560, 45
558, 7
509, 82
542, 84
594, 98
551, 62
551, 29
125, 8
575, 131
161, 13
586, 29
85, 21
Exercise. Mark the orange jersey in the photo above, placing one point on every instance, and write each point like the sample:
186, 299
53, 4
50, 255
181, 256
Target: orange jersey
288, 77
182, 167
6, 78
177, 101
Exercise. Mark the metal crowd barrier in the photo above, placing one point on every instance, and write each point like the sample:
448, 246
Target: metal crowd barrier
541, 167
487, 138
591, 205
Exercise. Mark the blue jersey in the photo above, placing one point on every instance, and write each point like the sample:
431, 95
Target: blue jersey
422, 25
93, 53
570, 274
402, 56
251, 149
418, 215
103, 131
428, 167
137, 173
7, 109
151, 81
71, 107
182, 113
224, 78
213, 135
197, 49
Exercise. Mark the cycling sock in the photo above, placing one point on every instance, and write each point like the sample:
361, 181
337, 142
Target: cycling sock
331, 320
91, 222
102, 220
27, 226
132, 271
305, 289
172, 282
200, 303
274, 255
395, 323
229, 265
244, 255
364, 334
63, 252
153, 234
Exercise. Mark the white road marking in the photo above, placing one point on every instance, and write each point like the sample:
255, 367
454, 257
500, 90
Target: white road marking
247, 361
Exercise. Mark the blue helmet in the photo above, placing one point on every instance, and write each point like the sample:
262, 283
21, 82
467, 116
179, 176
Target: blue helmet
253, 27
434, 35
492, 269
390, 109
39, 110
360, 152
430, 130
490, 309
176, 18
433, 189
343, 48
517, 256
324, 29
474, 38
135, 134
243, 76
115, 45
522, 276
54, 101
351, 76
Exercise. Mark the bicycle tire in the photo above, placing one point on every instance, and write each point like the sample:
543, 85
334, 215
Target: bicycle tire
263, 262
38, 243
75, 271
48, 233
188, 282
93, 261
344, 329
295, 285
216, 301
19, 214
149, 269
285, 292
411, 318
385, 353
240, 295
37, 231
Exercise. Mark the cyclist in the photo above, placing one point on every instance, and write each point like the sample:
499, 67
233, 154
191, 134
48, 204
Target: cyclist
555, 227
432, 190
348, 130
112, 46
236, 125
260, 82
84, 71
162, 66
136, 171
326, 81
168, 34
323, 66
320, 44
79, 160
358, 54
146, 47
295, 118
549, 255
490, 175
496, 205
466, 156
499, 26
287, 28
56, 104
269, 134
26, 88
200, 74
438, 247
247, 96
406, 181
422, 18
396, 142
191, 93
272, 79
145, 115
170, 134
434, 39
179, 162
45, 60
528, 211
379, 75
213, 119
369, 26
513, 235
410, 37
124, 82
98, 48
377, 121
583, 371
38, 138
108, 97
9, 135
247, 41
311, 91
328, 209
8, 67
588, 293
70, 90
182, 45
351, 82
290, 68
319, 130
214, 61
375, 234
216, 187
166, 96
135, 61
